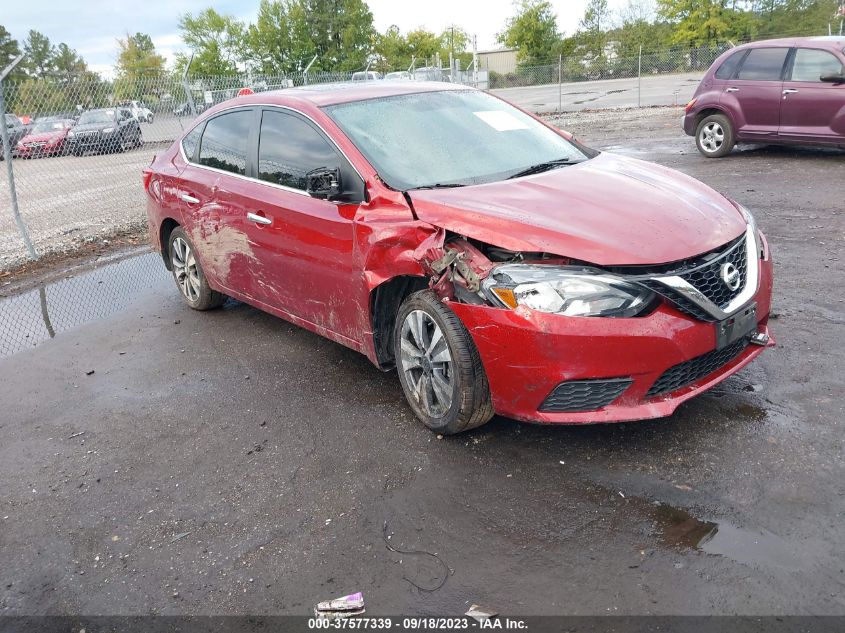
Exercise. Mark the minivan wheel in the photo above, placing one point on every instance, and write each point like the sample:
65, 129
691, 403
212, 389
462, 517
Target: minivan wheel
188, 273
715, 136
439, 366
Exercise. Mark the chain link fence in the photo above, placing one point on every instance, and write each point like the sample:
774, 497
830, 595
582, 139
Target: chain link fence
78, 143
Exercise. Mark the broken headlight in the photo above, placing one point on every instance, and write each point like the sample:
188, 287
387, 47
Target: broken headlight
565, 290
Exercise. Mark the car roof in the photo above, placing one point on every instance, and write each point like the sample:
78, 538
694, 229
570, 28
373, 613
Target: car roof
836, 42
332, 94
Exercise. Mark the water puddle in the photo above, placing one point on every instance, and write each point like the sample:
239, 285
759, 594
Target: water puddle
758, 548
32, 317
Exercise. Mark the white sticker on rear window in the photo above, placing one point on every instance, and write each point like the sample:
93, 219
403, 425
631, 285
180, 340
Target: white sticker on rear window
500, 120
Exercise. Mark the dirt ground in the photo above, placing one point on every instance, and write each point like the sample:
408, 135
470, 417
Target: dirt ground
156, 460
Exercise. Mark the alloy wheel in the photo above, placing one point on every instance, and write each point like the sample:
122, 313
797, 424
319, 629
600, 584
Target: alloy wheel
185, 269
712, 136
426, 362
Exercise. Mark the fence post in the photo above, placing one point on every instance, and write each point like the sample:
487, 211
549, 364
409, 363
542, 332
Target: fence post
10, 172
560, 86
188, 94
307, 68
640, 78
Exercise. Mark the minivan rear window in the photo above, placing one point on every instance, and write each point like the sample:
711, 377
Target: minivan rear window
728, 67
763, 64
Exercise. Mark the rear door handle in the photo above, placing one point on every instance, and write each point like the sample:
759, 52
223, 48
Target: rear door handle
790, 91
732, 90
189, 199
258, 219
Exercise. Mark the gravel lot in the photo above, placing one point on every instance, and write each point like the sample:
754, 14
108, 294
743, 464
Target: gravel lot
231, 463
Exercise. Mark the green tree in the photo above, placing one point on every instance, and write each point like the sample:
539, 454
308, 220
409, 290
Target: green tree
707, 22
139, 68
392, 50
38, 55
67, 62
137, 57
270, 43
533, 31
424, 46
593, 28
800, 17
218, 42
9, 50
455, 40
340, 31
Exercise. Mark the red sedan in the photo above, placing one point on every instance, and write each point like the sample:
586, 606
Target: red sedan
46, 138
497, 263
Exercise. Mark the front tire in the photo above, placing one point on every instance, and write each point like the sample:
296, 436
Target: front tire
715, 136
188, 273
439, 366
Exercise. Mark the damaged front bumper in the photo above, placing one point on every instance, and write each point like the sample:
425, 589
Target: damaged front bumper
575, 370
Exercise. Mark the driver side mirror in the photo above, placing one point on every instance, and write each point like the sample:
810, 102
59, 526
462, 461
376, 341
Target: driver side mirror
323, 183
833, 79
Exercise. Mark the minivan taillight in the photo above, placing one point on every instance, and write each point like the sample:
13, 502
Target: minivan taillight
690, 105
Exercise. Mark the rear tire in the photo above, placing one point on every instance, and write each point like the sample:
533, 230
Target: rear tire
439, 366
188, 273
715, 136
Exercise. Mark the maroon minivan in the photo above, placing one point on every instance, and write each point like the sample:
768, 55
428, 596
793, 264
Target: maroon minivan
773, 91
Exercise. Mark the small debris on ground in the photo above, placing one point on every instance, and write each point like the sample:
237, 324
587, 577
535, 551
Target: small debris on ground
341, 608
179, 536
89, 372
77, 434
480, 614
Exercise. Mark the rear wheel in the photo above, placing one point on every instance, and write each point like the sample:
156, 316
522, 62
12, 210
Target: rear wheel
189, 275
714, 136
439, 366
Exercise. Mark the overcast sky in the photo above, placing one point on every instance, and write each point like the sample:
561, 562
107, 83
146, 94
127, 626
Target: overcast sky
93, 26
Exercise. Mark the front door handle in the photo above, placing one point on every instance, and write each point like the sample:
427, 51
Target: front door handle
189, 199
732, 90
258, 219
790, 91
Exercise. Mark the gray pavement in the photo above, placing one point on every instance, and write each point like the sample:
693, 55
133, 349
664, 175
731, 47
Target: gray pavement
657, 90
159, 460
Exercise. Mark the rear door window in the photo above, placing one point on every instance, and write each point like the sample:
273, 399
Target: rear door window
289, 148
729, 66
763, 64
224, 142
812, 64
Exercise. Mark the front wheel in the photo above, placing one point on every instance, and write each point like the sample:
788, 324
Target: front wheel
189, 275
439, 366
714, 136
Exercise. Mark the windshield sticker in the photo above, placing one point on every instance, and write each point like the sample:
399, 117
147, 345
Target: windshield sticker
500, 120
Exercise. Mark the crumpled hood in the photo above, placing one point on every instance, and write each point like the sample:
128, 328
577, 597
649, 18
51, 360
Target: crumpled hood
610, 211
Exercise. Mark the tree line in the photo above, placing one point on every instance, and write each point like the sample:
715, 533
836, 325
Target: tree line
339, 36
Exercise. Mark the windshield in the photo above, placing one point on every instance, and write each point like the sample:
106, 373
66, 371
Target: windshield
47, 126
96, 116
449, 138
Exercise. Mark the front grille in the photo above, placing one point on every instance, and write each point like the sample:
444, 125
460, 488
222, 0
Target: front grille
681, 302
584, 395
707, 279
691, 371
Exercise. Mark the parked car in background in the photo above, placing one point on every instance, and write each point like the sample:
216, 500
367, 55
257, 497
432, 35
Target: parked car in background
775, 91
497, 263
140, 111
105, 130
430, 73
399, 75
16, 131
46, 138
370, 75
